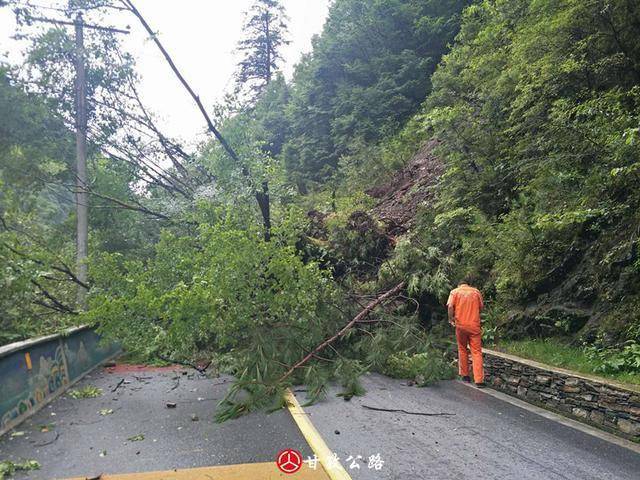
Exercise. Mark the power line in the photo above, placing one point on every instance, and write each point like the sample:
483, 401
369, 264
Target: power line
85, 25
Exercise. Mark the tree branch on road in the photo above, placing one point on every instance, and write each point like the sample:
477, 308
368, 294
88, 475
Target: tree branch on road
359, 317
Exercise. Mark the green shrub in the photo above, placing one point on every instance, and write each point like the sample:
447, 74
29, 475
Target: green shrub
423, 368
610, 360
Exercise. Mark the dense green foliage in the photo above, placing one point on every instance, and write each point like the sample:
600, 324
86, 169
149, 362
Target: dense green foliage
221, 288
368, 73
37, 230
35, 155
537, 110
533, 109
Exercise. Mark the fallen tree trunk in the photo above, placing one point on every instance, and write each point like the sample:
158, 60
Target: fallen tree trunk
262, 197
359, 317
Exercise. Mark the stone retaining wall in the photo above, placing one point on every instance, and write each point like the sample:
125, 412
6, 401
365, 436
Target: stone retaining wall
593, 400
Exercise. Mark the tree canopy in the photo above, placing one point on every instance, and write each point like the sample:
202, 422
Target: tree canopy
511, 127
265, 33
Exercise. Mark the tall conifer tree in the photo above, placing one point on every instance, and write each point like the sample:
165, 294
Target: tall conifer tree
265, 32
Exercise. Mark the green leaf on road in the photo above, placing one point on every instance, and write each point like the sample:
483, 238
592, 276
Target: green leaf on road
86, 392
8, 468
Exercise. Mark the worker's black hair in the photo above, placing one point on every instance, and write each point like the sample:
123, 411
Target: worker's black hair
468, 278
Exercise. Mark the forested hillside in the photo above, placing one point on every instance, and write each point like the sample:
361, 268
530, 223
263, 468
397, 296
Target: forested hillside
36, 151
537, 110
535, 114
419, 142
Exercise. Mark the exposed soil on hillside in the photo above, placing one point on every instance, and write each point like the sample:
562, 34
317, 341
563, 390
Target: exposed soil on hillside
579, 295
400, 197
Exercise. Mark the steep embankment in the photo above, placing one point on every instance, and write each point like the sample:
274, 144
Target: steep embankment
576, 297
411, 187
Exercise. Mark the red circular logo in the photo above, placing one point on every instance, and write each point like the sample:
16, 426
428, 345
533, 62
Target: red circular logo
289, 461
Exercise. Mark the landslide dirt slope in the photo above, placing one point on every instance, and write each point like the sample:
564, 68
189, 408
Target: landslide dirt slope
412, 186
567, 296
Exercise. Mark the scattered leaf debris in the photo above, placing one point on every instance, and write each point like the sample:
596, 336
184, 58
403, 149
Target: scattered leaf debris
47, 427
86, 392
8, 468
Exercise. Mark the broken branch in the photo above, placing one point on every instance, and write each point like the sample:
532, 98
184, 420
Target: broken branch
201, 370
363, 314
424, 414
117, 386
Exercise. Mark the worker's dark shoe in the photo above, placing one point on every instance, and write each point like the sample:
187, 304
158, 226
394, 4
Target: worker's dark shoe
466, 378
481, 385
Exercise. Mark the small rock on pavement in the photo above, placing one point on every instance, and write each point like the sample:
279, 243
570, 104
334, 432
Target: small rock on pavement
194, 417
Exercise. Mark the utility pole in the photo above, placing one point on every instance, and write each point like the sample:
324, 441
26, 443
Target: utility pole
82, 197
82, 190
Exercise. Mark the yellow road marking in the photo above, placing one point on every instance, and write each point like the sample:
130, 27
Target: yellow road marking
246, 471
317, 444
256, 471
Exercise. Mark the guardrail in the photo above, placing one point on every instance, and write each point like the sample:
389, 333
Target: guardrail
34, 372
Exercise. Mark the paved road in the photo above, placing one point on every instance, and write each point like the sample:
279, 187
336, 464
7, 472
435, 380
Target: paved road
171, 438
487, 438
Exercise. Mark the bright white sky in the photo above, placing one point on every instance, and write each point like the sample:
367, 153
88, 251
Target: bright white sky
201, 36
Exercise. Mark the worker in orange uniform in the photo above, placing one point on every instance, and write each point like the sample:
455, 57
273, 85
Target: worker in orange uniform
464, 306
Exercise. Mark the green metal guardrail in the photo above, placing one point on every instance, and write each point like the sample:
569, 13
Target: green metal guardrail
33, 372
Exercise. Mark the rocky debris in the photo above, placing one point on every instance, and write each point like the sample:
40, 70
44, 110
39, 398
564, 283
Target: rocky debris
547, 318
400, 197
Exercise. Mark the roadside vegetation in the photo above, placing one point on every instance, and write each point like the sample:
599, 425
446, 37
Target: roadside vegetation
316, 235
559, 352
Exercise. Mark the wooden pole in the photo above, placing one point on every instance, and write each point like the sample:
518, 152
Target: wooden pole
82, 197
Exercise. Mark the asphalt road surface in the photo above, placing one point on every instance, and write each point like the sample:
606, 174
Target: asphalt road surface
482, 438
486, 438
86, 443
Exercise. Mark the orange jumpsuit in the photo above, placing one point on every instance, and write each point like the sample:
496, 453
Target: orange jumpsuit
467, 303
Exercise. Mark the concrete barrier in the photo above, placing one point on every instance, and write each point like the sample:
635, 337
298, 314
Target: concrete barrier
603, 403
33, 372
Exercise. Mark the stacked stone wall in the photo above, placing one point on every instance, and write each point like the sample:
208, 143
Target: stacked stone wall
605, 404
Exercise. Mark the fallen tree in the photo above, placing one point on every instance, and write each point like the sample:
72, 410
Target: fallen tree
381, 299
